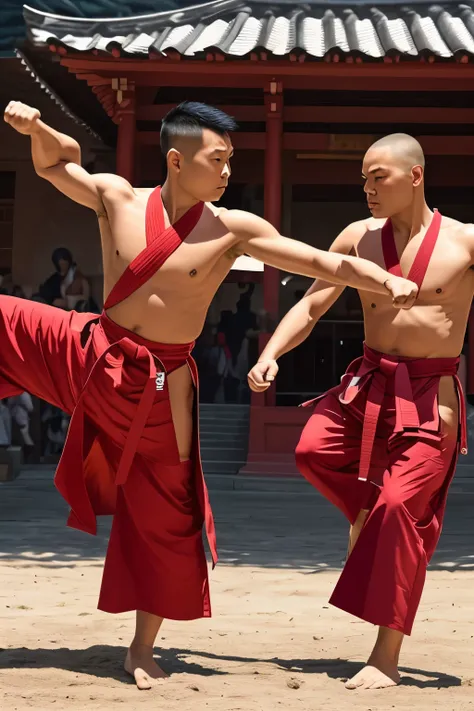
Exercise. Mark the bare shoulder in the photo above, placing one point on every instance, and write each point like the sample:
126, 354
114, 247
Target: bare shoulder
111, 186
460, 232
215, 210
455, 229
245, 225
354, 232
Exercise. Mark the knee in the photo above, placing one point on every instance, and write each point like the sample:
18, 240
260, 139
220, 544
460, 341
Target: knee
392, 499
308, 447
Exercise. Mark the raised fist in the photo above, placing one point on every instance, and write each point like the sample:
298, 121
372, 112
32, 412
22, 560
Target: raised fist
22, 118
403, 292
262, 375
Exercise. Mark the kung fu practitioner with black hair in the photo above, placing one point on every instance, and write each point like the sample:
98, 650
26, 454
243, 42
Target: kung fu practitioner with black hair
127, 378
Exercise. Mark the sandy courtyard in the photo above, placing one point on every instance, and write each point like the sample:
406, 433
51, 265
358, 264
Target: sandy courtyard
273, 643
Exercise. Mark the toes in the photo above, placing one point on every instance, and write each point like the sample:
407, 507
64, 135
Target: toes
143, 681
364, 681
355, 683
382, 684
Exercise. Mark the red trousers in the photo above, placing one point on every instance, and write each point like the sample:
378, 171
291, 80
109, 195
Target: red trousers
384, 418
121, 455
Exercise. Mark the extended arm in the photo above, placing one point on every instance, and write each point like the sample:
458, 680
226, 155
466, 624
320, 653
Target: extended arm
57, 158
260, 240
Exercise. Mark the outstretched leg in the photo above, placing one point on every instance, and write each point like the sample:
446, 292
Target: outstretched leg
41, 351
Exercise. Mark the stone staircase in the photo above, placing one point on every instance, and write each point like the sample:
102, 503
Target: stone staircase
224, 433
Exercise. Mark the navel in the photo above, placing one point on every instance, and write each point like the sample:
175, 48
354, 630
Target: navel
117, 253
373, 306
439, 290
193, 273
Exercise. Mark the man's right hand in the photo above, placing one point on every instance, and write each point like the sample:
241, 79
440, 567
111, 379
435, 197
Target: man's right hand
262, 375
403, 292
22, 118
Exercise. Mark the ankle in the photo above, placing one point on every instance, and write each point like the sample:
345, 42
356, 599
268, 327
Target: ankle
140, 647
384, 656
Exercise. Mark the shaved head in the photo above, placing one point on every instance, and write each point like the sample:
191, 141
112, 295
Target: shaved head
402, 148
393, 174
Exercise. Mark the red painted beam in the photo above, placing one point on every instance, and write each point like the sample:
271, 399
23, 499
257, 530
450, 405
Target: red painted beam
320, 143
252, 141
166, 75
121, 67
333, 114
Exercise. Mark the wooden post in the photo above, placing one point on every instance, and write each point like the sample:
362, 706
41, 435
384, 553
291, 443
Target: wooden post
127, 128
272, 208
470, 353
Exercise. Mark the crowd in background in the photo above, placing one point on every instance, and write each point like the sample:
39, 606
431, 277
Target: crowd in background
66, 288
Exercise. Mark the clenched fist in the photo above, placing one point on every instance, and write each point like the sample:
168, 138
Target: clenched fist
403, 292
22, 118
262, 375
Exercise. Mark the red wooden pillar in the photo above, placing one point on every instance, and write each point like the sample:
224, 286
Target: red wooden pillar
127, 129
470, 353
272, 206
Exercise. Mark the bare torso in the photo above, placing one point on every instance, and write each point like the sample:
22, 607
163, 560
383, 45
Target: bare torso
435, 326
171, 307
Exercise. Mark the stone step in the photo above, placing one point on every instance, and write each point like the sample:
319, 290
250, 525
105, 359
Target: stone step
211, 439
226, 431
222, 407
223, 417
223, 454
225, 468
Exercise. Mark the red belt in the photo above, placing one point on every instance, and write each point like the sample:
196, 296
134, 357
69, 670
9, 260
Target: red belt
69, 475
376, 368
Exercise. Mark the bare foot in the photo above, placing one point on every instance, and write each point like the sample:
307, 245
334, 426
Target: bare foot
375, 677
140, 664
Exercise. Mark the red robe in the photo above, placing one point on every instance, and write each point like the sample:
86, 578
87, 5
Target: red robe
121, 455
375, 442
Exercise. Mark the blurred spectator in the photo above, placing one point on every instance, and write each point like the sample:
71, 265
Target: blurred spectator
5, 425
21, 408
67, 286
18, 292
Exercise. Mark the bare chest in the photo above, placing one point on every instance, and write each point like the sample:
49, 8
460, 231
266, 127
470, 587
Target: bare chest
448, 272
204, 256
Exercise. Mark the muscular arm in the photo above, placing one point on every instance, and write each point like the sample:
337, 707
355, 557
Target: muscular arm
57, 158
298, 323
260, 240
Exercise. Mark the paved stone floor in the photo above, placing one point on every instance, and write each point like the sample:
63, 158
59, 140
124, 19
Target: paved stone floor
273, 641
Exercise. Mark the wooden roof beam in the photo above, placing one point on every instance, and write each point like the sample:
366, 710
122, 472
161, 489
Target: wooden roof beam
321, 142
333, 114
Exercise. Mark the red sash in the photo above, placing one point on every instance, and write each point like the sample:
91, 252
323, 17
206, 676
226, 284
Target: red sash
423, 256
161, 242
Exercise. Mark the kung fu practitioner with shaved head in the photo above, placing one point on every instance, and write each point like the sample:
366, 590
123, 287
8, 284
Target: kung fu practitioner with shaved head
128, 378
382, 446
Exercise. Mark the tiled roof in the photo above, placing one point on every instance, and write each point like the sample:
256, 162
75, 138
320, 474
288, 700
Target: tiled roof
260, 29
12, 27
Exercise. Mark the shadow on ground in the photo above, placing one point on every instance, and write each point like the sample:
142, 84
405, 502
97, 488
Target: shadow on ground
260, 528
106, 662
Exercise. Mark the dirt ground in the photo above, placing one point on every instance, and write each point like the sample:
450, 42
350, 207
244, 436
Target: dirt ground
273, 642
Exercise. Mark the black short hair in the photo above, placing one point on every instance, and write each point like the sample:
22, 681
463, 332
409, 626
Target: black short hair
62, 253
189, 119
